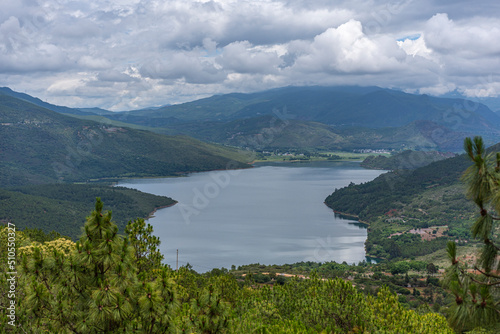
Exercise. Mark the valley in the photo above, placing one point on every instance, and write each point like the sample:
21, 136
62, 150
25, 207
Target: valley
284, 125
237, 167
268, 184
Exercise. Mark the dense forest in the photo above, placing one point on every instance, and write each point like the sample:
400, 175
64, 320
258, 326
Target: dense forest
109, 282
62, 207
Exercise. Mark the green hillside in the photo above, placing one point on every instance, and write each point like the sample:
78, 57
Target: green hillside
36, 101
404, 160
63, 207
268, 132
399, 201
265, 132
41, 146
332, 118
417, 135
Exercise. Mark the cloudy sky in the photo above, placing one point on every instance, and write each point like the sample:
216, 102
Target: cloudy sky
131, 54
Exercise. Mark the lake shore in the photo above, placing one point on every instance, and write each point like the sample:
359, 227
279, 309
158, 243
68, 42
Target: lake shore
152, 213
351, 216
273, 213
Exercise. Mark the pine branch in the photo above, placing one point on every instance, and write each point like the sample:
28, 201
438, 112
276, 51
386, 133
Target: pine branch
487, 274
466, 274
44, 280
491, 243
483, 283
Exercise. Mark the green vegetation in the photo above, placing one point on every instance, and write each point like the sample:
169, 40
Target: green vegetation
440, 257
42, 152
324, 117
97, 286
477, 293
400, 277
416, 213
308, 155
271, 133
60, 207
405, 202
274, 133
41, 146
404, 160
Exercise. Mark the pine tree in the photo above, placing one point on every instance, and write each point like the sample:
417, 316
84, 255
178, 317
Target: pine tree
145, 245
477, 296
96, 289
89, 290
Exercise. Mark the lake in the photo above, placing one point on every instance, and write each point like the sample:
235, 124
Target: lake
273, 213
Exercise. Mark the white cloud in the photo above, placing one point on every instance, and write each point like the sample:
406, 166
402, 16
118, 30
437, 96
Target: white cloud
469, 39
242, 57
92, 63
347, 49
416, 47
188, 66
66, 87
136, 53
115, 76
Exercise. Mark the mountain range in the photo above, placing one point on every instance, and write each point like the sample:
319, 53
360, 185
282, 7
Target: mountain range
324, 118
43, 146
339, 118
46, 144
336, 106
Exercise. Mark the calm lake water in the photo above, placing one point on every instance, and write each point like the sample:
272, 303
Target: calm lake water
270, 214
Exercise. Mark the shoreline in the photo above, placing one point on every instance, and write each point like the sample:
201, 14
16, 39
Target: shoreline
362, 222
349, 215
113, 181
152, 213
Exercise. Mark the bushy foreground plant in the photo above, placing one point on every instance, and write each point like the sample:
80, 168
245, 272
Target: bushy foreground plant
477, 289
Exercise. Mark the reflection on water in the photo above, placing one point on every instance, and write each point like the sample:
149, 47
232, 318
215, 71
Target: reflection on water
359, 225
268, 214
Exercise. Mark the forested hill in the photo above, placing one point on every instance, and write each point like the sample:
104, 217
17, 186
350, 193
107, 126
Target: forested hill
374, 198
36, 101
41, 146
107, 283
397, 203
405, 160
328, 118
63, 207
